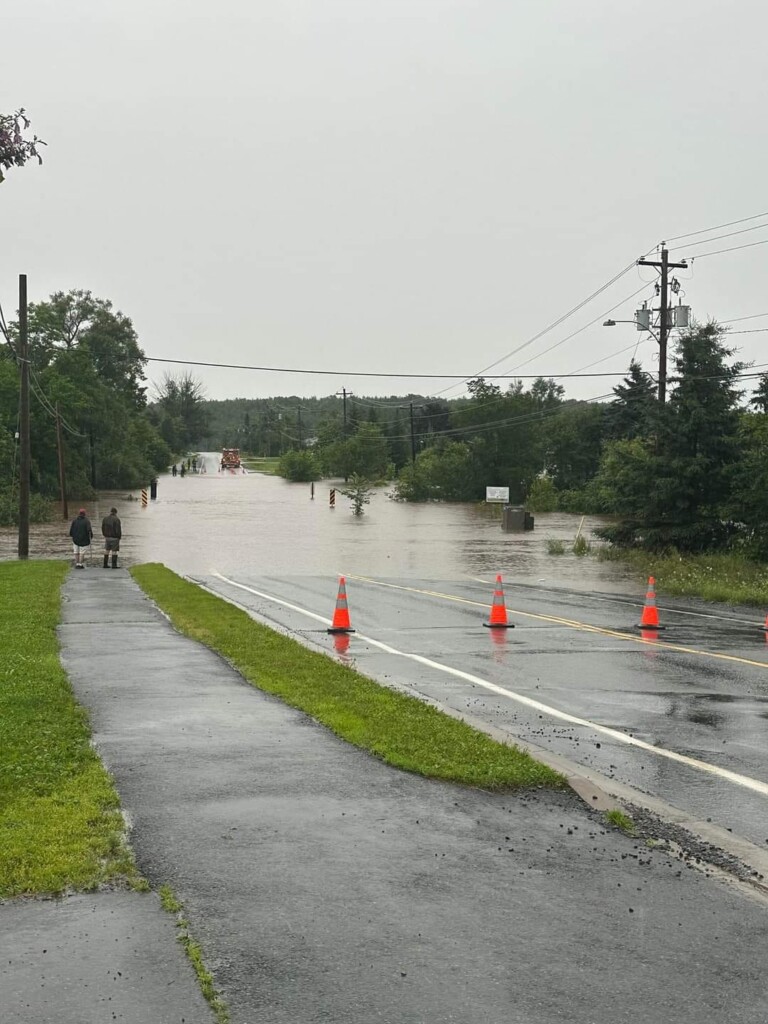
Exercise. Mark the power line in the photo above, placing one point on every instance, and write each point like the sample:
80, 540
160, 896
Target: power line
550, 327
717, 252
361, 373
716, 227
737, 319
551, 348
716, 238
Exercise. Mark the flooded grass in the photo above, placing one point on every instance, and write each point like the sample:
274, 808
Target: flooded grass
398, 729
60, 820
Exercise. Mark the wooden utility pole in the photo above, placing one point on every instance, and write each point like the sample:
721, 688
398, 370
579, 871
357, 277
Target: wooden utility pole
25, 453
664, 266
62, 474
413, 438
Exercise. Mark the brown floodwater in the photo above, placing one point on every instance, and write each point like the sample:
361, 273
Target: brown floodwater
230, 521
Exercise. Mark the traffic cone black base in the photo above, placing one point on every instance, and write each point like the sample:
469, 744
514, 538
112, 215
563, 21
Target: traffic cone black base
499, 625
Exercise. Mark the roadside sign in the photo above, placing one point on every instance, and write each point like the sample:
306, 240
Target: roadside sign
497, 494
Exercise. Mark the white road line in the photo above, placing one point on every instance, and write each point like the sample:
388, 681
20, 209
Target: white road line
691, 762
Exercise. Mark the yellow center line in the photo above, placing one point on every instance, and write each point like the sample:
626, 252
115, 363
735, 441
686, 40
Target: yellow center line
570, 623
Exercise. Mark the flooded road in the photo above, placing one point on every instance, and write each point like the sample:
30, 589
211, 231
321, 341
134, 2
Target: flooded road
250, 521
684, 719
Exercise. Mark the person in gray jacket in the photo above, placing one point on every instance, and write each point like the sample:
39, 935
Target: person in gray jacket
112, 530
81, 533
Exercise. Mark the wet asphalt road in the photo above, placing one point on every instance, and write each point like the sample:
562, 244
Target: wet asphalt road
575, 653
325, 886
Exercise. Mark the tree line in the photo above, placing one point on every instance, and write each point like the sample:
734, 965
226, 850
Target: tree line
689, 474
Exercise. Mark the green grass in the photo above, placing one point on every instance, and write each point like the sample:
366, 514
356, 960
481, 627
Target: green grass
732, 579
581, 546
173, 905
60, 821
398, 729
262, 465
620, 820
555, 547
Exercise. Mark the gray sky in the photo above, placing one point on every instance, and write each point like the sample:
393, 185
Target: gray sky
399, 185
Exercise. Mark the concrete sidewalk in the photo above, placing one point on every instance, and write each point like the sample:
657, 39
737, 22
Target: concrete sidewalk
325, 886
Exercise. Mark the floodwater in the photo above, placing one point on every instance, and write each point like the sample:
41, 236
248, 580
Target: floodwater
237, 520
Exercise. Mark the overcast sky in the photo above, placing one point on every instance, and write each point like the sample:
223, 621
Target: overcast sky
393, 186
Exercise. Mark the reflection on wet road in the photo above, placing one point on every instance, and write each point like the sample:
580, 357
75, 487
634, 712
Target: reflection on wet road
683, 719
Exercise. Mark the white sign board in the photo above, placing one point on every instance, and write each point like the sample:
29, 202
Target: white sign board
497, 494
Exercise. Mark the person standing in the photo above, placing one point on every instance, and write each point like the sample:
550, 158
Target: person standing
82, 534
112, 530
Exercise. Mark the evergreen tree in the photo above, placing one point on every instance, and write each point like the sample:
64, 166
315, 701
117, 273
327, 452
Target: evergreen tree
632, 413
675, 490
760, 398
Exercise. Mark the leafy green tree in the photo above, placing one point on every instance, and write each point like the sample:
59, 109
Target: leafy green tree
542, 496
76, 319
445, 472
299, 466
85, 360
510, 425
573, 439
365, 454
399, 444
359, 492
180, 400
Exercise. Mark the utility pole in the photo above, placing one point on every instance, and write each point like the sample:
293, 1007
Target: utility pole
413, 439
298, 419
62, 474
664, 266
344, 395
25, 454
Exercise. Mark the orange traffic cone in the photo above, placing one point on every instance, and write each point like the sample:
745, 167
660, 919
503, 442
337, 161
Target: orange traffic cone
650, 617
341, 622
498, 619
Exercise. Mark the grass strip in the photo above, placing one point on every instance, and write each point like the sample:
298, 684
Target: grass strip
269, 465
60, 821
173, 905
729, 578
396, 728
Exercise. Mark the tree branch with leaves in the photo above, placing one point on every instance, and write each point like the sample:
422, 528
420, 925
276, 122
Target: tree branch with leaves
15, 150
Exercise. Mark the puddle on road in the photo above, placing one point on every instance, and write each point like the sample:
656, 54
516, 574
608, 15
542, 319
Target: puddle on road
264, 525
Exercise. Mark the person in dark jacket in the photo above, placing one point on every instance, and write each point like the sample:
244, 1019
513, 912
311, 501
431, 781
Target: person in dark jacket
81, 533
112, 530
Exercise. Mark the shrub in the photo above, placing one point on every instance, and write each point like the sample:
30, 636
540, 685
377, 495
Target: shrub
40, 509
299, 466
581, 546
542, 496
